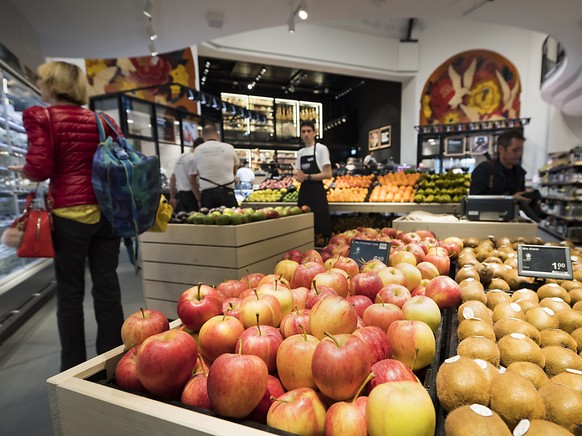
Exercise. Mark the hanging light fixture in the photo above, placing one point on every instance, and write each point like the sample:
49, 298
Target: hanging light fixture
302, 11
147, 10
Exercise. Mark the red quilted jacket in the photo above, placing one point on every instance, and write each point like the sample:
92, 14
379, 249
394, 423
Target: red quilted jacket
61, 149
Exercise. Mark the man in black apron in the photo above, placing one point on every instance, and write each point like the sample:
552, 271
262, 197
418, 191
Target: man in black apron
313, 166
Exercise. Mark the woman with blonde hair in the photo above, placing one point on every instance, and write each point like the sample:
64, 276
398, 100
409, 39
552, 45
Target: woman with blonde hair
62, 140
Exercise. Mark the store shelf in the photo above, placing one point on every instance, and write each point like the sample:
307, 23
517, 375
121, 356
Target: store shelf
437, 208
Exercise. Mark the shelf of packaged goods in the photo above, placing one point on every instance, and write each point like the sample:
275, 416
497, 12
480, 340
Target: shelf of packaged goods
562, 183
13, 126
566, 218
447, 208
565, 199
557, 169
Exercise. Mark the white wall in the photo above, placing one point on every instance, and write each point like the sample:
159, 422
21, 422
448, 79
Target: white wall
18, 36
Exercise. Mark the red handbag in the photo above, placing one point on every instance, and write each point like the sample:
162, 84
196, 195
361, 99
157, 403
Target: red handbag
36, 224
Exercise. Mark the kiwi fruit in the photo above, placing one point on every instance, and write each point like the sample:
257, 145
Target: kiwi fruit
461, 381
475, 419
568, 285
539, 427
475, 327
526, 305
558, 359
554, 303
517, 347
577, 335
575, 295
471, 282
570, 320
485, 273
525, 294
489, 370
578, 306
493, 259
478, 310
479, 348
499, 283
515, 398
542, 318
559, 338
473, 292
506, 326
511, 261
513, 279
571, 378
471, 242
530, 371
553, 290
496, 296
563, 406
507, 309
482, 253
466, 272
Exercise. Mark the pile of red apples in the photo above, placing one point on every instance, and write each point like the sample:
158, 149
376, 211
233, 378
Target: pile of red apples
323, 345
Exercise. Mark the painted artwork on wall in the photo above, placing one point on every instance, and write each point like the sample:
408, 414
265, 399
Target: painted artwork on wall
475, 85
115, 75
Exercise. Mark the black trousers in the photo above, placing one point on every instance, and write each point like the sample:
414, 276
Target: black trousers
75, 243
186, 202
216, 197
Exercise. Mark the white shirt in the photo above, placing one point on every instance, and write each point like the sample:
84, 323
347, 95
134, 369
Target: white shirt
215, 161
369, 159
322, 156
181, 171
245, 175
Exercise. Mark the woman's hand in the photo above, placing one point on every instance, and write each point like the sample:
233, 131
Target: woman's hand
17, 168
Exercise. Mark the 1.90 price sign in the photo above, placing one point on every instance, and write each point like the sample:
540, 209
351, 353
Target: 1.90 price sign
544, 261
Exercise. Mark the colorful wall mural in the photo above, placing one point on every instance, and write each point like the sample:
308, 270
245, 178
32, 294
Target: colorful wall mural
114, 75
475, 85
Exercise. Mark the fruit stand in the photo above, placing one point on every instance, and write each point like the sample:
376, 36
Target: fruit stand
187, 254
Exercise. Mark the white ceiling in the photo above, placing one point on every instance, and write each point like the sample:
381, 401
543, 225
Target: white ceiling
117, 28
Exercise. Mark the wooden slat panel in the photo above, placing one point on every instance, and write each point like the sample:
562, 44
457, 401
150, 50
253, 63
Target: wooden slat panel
227, 257
168, 308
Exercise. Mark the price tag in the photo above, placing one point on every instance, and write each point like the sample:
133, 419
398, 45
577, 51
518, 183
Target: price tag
544, 261
363, 251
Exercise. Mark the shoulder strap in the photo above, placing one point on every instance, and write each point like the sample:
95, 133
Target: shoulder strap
100, 127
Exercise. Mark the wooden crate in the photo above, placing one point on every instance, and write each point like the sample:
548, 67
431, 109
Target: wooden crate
80, 406
188, 254
464, 229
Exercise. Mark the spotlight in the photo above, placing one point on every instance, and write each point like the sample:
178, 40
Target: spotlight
250, 86
152, 47
291, 23
302, 11
190, 95
147, 11
151, 32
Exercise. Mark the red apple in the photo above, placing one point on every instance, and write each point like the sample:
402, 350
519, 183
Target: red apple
332, 315
230, 306
252, 279
286, 269
360, 303
452, 248
274, 279
317, 293
444, 291
219, 335
340, 364
294, 359
423, 308
126, 372
305, 273
389, 231
425, 233
412, 342
400, 408
347, 418
377, 341
417, 250
339, 250
382, 315
428, 270
281, 292
141, 325
334, 280
419, 290
267, 306
294, 255
292, 323
390, 370
373, 265
393, 294
299, 411
410, 237
390, 275
197, 305
236, 384
442, 263
402, 256
262, 341
349, 265
231, 288
367, 284
411, 273
195, 392
312, 256
299, 296
274, 390
165, 362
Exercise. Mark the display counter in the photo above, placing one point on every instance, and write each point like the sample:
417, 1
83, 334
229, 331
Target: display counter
397, 208
464, 228
187, 254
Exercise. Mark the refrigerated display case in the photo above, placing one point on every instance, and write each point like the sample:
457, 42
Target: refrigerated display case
309, 110
287, 118
24, 283
261, 131
235, 125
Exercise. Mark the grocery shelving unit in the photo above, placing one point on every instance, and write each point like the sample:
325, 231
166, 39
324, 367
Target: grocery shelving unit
561, 186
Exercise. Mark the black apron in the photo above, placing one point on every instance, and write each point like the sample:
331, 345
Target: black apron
312, 194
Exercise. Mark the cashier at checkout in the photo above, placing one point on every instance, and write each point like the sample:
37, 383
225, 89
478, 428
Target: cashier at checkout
504, 175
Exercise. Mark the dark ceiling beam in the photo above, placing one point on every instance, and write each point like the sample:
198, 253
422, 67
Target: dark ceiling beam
409, 29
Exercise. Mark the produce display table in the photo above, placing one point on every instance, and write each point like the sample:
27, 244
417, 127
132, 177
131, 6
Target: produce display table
187, 254
82, 403
464, 228
453, 208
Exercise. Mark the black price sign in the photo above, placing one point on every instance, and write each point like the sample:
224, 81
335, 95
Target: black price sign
363, 251
544, 261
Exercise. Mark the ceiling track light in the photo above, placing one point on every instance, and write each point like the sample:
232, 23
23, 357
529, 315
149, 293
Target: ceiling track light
477, 4
147, 10
302, 11
151, 32
291, 23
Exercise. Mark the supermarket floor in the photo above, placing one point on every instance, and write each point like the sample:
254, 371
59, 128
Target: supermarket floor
31, 356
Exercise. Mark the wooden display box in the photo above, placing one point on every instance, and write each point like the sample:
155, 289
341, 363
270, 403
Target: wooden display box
464, 228
187, 254
80, 405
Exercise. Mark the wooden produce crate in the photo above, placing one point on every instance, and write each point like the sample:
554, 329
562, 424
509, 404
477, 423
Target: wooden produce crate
464, 228
187, 254
83, 404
